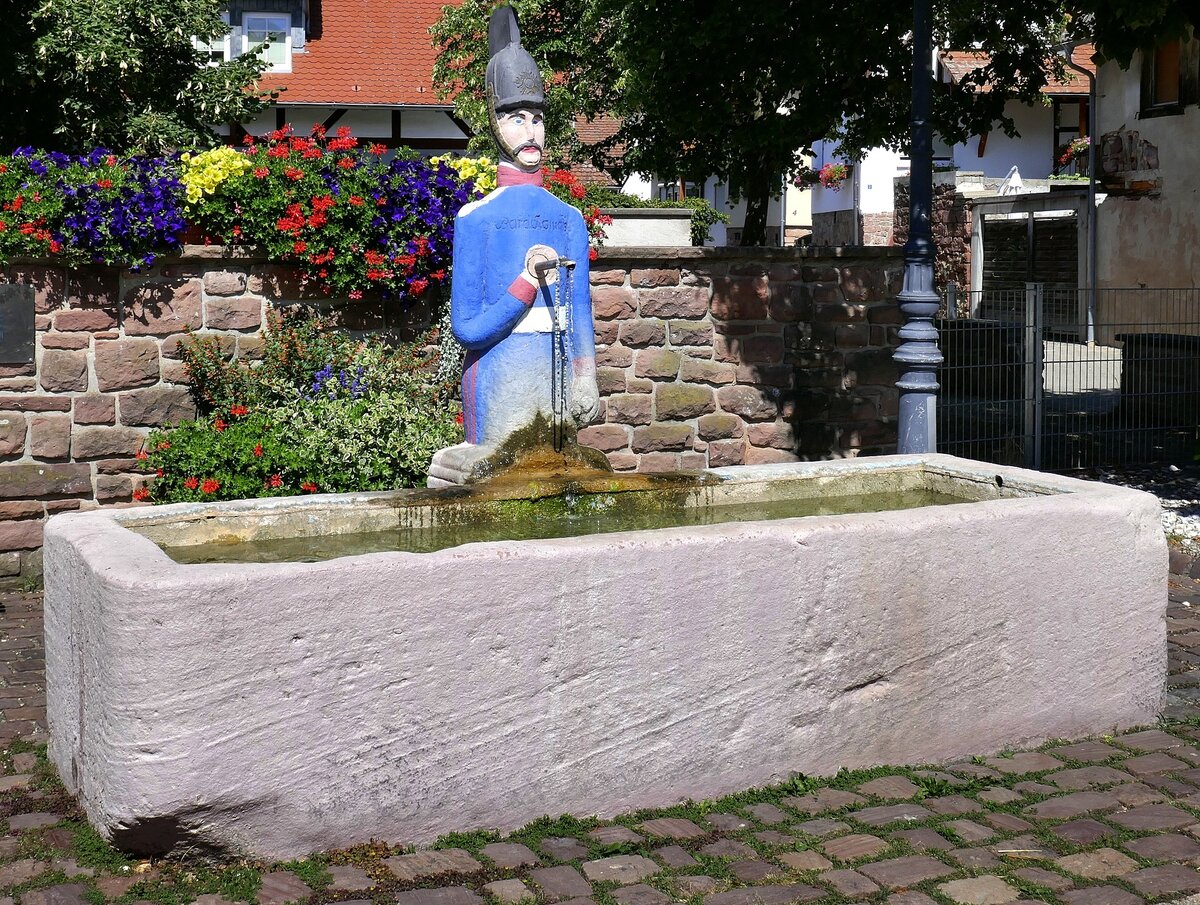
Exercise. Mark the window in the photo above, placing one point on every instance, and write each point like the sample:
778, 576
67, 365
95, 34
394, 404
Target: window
219, 49
275, 31
1162, 80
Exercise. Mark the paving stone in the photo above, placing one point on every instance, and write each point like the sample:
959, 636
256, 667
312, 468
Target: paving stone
564, 848
1158, 762
613, 835
807, 860
1167, 847
115, 887
1102, 864
580, 900
508, 891
640, 894
1153, 817
9, 846
985, 890
71, 868
1029, 787
890, 787
1150, 740
979, 771
924, 839
622, 869
1008, 823
673, 828
824, 800
821, 827
1041, 877
727, 823
999, 795
695, 885
853, 847
975, 858
444, 895
849, 883
754, 871
1099, 895
1023, 848
1172, 787
25, 762
1083, 832
19, 822
281, 886
20, 780
561, 882
728, 848
674, 856
952, 805
21, 871
1166, 879
62, 894
970, 832
1087, 778
948, 778
1027, 762
349, 878
890, 813
765, 895
509, 855
1134, 794
212, 899
421, 865
900, 872
1074, 805
768, 814
1087, 752
909, 897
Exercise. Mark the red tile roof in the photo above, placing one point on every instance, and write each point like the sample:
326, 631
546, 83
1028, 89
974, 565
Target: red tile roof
368, 52
958, 63
590, 132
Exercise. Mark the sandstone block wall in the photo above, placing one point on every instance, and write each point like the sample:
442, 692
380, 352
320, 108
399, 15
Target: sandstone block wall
706, 357
711, 357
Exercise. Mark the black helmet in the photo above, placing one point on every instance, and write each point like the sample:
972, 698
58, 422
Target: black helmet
513, 79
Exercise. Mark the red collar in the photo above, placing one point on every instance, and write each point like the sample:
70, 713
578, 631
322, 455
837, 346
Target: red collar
510, 175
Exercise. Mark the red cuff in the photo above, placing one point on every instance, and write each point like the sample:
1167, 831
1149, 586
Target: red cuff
523, 290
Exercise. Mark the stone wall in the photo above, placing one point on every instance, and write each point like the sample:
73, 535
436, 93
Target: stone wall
706, 357
951, 227
837, 228
710, 357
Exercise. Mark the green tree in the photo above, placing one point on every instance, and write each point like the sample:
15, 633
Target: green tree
119, 73
1122, 27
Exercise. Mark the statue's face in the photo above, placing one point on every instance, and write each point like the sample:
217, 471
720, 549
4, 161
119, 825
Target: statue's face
522, 136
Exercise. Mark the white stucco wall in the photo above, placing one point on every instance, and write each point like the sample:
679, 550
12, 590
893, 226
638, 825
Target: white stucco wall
1150, 241
1032, 151
365, 122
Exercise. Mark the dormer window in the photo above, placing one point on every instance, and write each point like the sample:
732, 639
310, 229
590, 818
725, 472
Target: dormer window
275, 31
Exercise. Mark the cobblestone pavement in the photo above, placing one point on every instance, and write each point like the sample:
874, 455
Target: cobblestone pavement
1106, 821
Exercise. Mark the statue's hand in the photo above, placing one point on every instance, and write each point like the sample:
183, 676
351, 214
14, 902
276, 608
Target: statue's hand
585, 399
538, 254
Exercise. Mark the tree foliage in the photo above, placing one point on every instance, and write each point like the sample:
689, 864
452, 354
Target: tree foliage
123, 74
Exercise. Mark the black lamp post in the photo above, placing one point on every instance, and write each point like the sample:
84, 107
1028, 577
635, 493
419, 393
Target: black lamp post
918, 354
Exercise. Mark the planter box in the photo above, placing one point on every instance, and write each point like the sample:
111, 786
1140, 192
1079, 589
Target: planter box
649, 226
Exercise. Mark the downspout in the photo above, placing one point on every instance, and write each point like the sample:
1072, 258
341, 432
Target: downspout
1093, 157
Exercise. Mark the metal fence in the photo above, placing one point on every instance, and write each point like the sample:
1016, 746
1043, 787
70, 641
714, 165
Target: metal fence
1059, 378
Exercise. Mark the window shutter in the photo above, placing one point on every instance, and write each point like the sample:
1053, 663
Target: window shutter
1189, 71
236, 36
298, 38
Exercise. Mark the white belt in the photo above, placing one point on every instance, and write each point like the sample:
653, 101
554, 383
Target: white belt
539, 319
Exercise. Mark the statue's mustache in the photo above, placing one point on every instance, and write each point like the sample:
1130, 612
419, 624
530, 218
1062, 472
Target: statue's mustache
528, 144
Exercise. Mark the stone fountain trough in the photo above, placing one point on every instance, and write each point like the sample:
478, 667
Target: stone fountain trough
283, 707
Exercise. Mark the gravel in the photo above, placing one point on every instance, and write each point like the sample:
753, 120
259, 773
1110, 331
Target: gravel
1177, 488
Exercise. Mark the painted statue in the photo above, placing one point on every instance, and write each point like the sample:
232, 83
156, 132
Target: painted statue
520, 301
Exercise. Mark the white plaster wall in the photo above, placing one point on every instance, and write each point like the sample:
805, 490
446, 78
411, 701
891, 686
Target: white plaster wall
1032, 152
1150, 241
297, 707
364, 122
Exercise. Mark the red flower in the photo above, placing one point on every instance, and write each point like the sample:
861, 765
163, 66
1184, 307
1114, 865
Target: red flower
376, 148
346, 163
141, 455
592, 254
562, 177
578, 191
142, 494
278, 151
293, 174
458, 419
309, 486
418, 286
191, 483
276, 481
310, 153
238, 410
356, 200
373, 257
103, 183
355, 294
219, 425
164, 445
300, 247
158, 472
3, 168
261, 172
210, 486
55, 246
237, 230
110, 160
258, 450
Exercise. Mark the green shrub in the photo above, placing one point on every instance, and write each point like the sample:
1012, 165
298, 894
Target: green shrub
322, 413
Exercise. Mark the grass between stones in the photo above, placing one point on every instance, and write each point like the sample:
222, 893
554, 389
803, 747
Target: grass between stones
71, 852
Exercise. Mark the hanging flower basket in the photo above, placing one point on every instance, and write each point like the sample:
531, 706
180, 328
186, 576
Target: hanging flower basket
831, 176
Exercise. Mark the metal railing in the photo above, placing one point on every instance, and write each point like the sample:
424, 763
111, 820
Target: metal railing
1022, 385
